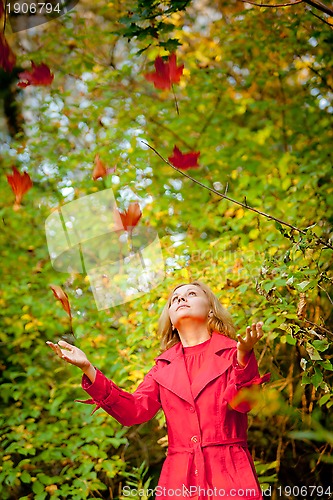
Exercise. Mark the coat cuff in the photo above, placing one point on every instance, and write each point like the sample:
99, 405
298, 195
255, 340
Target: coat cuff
242, 377
102, 390
244, 374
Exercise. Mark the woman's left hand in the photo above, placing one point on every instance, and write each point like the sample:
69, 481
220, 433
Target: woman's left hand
253, 334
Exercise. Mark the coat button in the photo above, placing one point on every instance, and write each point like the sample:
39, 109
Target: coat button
194, 439
196, 472
191, 408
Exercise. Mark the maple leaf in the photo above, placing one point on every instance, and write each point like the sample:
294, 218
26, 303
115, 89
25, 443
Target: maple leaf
184, 161
20, 184
131, 216
7, 56
63, 297
166, 73
100, 169
39, 75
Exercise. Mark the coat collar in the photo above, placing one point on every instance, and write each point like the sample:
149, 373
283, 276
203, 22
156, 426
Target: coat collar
218, 343
174, 376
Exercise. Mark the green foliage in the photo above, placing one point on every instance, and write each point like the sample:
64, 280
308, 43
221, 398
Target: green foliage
150, 20
255, 99
137, 485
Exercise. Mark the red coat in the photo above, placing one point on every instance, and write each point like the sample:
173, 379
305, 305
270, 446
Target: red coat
207, 453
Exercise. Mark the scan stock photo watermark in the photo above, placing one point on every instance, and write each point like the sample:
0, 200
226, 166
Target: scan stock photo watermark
87, 236
25, 14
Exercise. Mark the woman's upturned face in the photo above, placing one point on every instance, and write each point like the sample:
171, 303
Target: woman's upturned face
188, 302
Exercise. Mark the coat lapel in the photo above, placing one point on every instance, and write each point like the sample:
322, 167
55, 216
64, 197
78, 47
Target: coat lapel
215, 364
174, 375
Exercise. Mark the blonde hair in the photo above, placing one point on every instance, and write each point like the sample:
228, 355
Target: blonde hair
220, 321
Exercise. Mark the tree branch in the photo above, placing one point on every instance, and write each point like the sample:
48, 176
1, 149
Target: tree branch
320, 327
318, 17
273, 5
323, 78
317, 5
170, 130
328, 296
320, 6
239, 203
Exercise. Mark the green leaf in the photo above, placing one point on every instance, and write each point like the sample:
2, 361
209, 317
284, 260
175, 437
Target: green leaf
320, 345
171, 44
324, 399
304, 285
327, 365
317, 378
291, 340
25, 477
38, 488
313, 353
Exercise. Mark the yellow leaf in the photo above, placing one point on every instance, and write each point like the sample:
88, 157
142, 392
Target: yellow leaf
272, 250
286, 183
254, 233
263, 135
97, 68
51, 488
241, 109
136, 376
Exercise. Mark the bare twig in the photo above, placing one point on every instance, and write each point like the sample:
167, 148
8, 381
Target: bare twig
175, 98
5, 18
321, 454
316, 4
328, 296
320, 6
321, 19
272, 5
239, 203
170, 130
323, 79
320, 327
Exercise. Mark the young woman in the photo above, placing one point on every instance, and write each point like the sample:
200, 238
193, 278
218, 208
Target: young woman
197, 381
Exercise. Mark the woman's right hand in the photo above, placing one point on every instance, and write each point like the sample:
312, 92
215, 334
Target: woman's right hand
71, 354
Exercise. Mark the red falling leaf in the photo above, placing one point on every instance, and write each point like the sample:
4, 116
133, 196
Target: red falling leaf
63, 297
166, 73
184, 161
7, 56
20, 184
131, 216
100, 169
39, 75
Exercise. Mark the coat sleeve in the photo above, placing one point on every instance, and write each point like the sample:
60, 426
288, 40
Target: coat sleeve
127, 408
241, 378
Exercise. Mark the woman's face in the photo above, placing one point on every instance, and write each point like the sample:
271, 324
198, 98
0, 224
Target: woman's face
188, 302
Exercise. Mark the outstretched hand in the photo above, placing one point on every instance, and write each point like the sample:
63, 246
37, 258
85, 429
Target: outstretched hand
253, 334
70, 353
